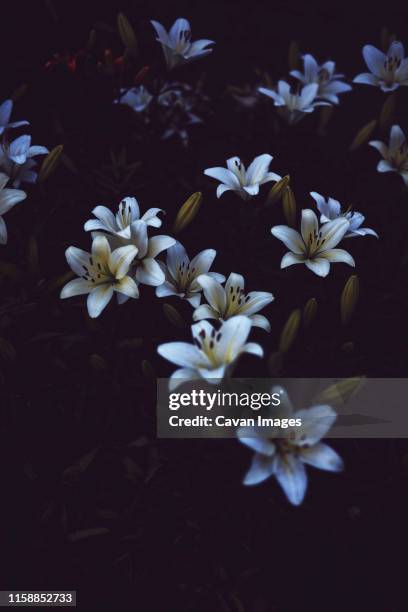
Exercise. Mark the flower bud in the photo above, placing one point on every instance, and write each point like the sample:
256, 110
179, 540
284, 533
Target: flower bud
188, 211
290, 331
289, 205
277, 190
363, 135
309, 312
127, 33
50, 163
349, 298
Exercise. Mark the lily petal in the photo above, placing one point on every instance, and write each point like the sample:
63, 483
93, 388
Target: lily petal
374, 59
181, 376
366, 78
257, 300
181, 353
234, 334
380, 146
290, 259
223, 188
338, 255
120, 260
98, 299
322, 457
397, 138
214, 293
253, 349
163, 37
176, 256
234, 282
3, 231
292, 477
127, 286
78, 286
261, 469
316, 422
333, 231
78, 260
258, 320
319, 266
258, 168
9, 198
309, 226
224, 175
157, 244
385, 166
148, 272
289, 237
205, 312
179, 26
202, 262
259, 444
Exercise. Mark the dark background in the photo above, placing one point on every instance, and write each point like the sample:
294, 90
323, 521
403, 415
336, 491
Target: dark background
91, 499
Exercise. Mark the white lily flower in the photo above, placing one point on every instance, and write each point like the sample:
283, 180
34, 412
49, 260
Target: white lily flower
145, 269
5, 113
294, 104
330, 83
120, 223
330, 210
178, 105
226, 302
138, 98
21, 149
213, 353
244, 182
395, 155
285, 455
101, 274
8, 199
181, 274
18, 173
314, 246
16, 160
176, 44
387, 71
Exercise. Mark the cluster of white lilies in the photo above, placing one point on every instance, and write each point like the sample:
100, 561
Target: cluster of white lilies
176, 100
315, 244
318, 85
124, 256
16, 164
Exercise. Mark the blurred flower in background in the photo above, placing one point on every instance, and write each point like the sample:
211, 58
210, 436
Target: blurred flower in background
395, 155
330, 209
329, 83
138, 98
5, 113
387, 71
16, 159
284, 455
294, 103
178, 105
176, 43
